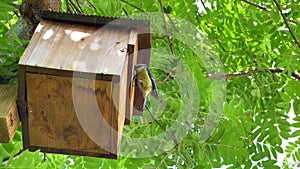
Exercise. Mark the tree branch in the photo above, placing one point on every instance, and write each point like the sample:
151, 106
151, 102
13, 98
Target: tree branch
165, 26
67, 6
172, 22
5, 160
79, 7
256, 5
286, 23
90, 4
125, 11
267, 10
162, 127
223, 48
203, 5
136, 7
75, 9
292, 21
228, 76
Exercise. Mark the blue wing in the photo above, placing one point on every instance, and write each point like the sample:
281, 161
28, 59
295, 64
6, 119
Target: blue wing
154, 91
145, 103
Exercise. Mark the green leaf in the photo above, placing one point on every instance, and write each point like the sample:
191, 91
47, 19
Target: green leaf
279, 149
295, 133
4, 7
297, 125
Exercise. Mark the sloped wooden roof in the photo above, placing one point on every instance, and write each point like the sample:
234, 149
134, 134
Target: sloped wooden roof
77, 48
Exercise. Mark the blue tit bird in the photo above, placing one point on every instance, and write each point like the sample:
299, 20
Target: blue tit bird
145, 82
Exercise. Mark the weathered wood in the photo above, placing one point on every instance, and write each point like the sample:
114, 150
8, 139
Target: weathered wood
73, 88
132, 60
145, 43
55, 122
60, 43
144, 54
9, 117
21, 103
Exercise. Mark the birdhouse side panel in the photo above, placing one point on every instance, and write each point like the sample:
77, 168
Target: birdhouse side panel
118, 110
132, 60
66, 117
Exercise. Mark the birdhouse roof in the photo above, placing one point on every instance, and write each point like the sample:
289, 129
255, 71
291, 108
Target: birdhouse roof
68, 47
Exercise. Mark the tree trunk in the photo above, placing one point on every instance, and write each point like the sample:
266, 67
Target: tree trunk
31, 15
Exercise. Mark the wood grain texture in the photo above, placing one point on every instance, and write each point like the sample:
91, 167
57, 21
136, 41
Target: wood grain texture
118, 109
75, 87
55, 121
144, 54
9, 117
71, 47
145, 43
132, 60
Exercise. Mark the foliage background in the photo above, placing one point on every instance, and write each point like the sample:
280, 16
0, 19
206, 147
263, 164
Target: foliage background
258, 44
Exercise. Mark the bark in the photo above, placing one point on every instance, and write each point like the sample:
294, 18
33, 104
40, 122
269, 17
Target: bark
31, 15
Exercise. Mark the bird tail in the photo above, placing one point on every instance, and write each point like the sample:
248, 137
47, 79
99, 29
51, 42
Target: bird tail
154, 93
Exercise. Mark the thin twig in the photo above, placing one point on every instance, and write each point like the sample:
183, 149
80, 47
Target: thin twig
162, 127
223, 48
68, 7
91, 5
286, 23
125, 11
256, 5
15, 156
292, 21
79, 7
136, 7
296, 76
75, 8
203, 6
166, 28
228, 76
45, 157
172, 22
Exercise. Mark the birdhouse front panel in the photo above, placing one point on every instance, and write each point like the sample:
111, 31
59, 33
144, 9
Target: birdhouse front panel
73, 87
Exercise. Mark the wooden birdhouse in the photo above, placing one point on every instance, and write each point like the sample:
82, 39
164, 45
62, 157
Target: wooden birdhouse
9, 118
75, 89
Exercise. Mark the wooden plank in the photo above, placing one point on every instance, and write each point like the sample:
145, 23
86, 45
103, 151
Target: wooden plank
118, 108
83, 48
145, 43
122, 105
21, 100
112, 46
144, 54
73, 152
132, 59
9, 117
22, 103
66, 73
57, 122
118, 114
104, 99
